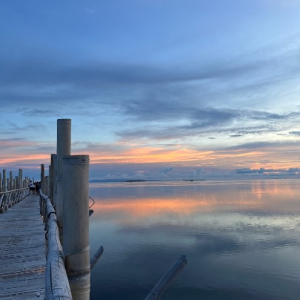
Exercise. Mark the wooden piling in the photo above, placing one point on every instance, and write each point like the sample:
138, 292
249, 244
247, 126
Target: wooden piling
46, 185
4, 189
76, 224
10, 181
21, 178
63, 148
43, 177
53, 195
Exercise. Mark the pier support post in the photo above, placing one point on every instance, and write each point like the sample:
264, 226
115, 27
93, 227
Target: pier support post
43, 177
76, 224
63, 148
53, 196
50, 184
21, 178
10, 180
46, 185
4, 189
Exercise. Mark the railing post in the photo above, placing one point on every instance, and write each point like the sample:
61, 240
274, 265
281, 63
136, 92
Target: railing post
63, 148
53, 196
76, 224
4, 181
20, 178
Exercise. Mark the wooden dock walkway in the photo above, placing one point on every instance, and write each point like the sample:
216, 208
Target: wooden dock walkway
22, 251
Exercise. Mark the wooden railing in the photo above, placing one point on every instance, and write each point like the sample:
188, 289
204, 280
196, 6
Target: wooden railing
10, 198
56, 280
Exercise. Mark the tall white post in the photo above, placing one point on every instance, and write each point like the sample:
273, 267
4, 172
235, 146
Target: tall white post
76, 224
63, 148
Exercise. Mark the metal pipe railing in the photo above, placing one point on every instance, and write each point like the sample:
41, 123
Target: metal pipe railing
10, 198
56, 281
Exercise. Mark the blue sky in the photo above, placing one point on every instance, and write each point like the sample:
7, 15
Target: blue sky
155, 89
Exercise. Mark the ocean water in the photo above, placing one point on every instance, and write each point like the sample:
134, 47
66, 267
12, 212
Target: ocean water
241, 239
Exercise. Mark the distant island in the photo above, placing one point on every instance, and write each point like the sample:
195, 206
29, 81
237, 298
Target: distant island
193, 179
135, 180
118, 180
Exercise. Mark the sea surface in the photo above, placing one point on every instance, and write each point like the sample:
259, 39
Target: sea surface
241, 239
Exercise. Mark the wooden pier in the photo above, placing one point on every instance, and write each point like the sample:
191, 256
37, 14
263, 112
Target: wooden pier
51, 259
22, 251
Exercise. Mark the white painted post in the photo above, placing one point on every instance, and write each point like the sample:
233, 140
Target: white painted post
20, 178
54, 182
4, 181
10, 181
76, 224
63, 148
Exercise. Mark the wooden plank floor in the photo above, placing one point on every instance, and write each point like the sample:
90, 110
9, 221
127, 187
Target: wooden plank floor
22, 251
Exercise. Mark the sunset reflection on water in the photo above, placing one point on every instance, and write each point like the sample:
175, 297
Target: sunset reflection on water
230, 231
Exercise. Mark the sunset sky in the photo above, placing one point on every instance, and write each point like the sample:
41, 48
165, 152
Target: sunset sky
156, 89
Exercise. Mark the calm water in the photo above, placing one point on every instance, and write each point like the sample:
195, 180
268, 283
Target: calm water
241, 239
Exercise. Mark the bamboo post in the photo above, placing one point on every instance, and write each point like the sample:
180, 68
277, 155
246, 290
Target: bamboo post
10, 180
63, 148
4, 181
76, 224
43, 177
54, 182
20, 178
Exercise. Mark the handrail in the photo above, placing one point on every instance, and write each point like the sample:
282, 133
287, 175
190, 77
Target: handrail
10, 198
56, 281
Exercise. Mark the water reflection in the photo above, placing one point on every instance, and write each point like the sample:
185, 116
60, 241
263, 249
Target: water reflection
241, 239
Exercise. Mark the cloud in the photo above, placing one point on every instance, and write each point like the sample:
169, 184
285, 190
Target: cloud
39, 112
295, 132
291, 171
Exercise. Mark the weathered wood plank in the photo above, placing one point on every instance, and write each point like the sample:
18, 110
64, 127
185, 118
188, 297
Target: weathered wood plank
22, 251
